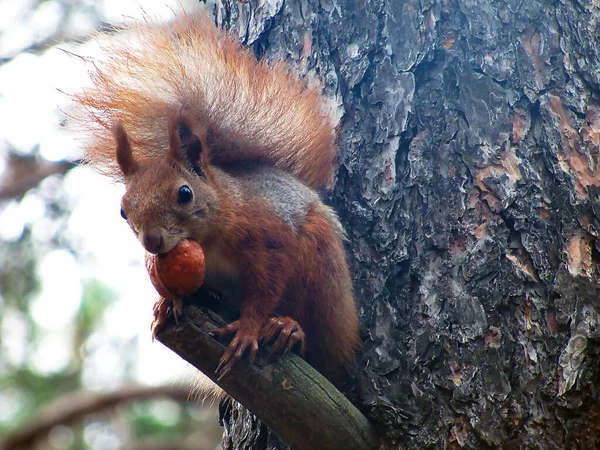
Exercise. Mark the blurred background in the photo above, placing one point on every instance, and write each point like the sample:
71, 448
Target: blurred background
78, 368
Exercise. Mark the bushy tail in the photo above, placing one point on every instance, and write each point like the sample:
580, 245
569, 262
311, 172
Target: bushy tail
249, 110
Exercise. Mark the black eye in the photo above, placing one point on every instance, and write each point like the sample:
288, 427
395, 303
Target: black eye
185, 195
123, 214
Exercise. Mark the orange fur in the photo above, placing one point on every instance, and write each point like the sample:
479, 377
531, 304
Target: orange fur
286, 276
190, 109
300, 274
253, 110
323, 302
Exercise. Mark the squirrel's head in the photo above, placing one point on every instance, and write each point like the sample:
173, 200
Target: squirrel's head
170, 198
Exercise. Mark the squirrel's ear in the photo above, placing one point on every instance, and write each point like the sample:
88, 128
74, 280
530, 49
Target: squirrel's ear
124, 155
184, 145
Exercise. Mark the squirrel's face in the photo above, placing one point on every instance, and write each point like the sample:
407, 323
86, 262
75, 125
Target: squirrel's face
167, 199
165, 203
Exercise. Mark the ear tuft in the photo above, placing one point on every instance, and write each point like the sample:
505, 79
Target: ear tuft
124, 154
184, 145
174, 140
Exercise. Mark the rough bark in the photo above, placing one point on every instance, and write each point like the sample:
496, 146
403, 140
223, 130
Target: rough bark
469, 187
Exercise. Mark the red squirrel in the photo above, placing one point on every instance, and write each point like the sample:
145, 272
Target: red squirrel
220, 148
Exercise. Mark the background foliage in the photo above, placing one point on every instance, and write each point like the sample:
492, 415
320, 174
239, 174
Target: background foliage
74, 326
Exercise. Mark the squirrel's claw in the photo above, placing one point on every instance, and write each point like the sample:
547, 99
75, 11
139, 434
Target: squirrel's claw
244, 342
161, 310
286, 335
177, 309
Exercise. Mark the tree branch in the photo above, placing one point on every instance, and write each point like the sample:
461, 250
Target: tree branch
289, 396
26, 172
72, 407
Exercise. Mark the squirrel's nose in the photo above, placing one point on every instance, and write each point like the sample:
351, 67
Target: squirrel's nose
153, 240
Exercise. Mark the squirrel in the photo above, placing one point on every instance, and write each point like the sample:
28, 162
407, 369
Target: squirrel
218, 147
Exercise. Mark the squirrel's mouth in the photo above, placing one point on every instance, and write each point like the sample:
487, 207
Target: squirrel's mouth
161, 252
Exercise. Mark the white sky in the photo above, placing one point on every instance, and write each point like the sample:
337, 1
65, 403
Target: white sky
30, 113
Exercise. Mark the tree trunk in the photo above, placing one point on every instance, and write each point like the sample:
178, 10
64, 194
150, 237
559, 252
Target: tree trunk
469, 188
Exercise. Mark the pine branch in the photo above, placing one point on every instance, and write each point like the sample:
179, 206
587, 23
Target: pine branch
296, 402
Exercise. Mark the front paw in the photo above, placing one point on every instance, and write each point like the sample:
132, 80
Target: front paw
285, 334
161, 311
244, 341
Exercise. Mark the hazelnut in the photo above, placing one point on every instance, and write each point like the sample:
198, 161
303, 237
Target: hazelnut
179, 272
